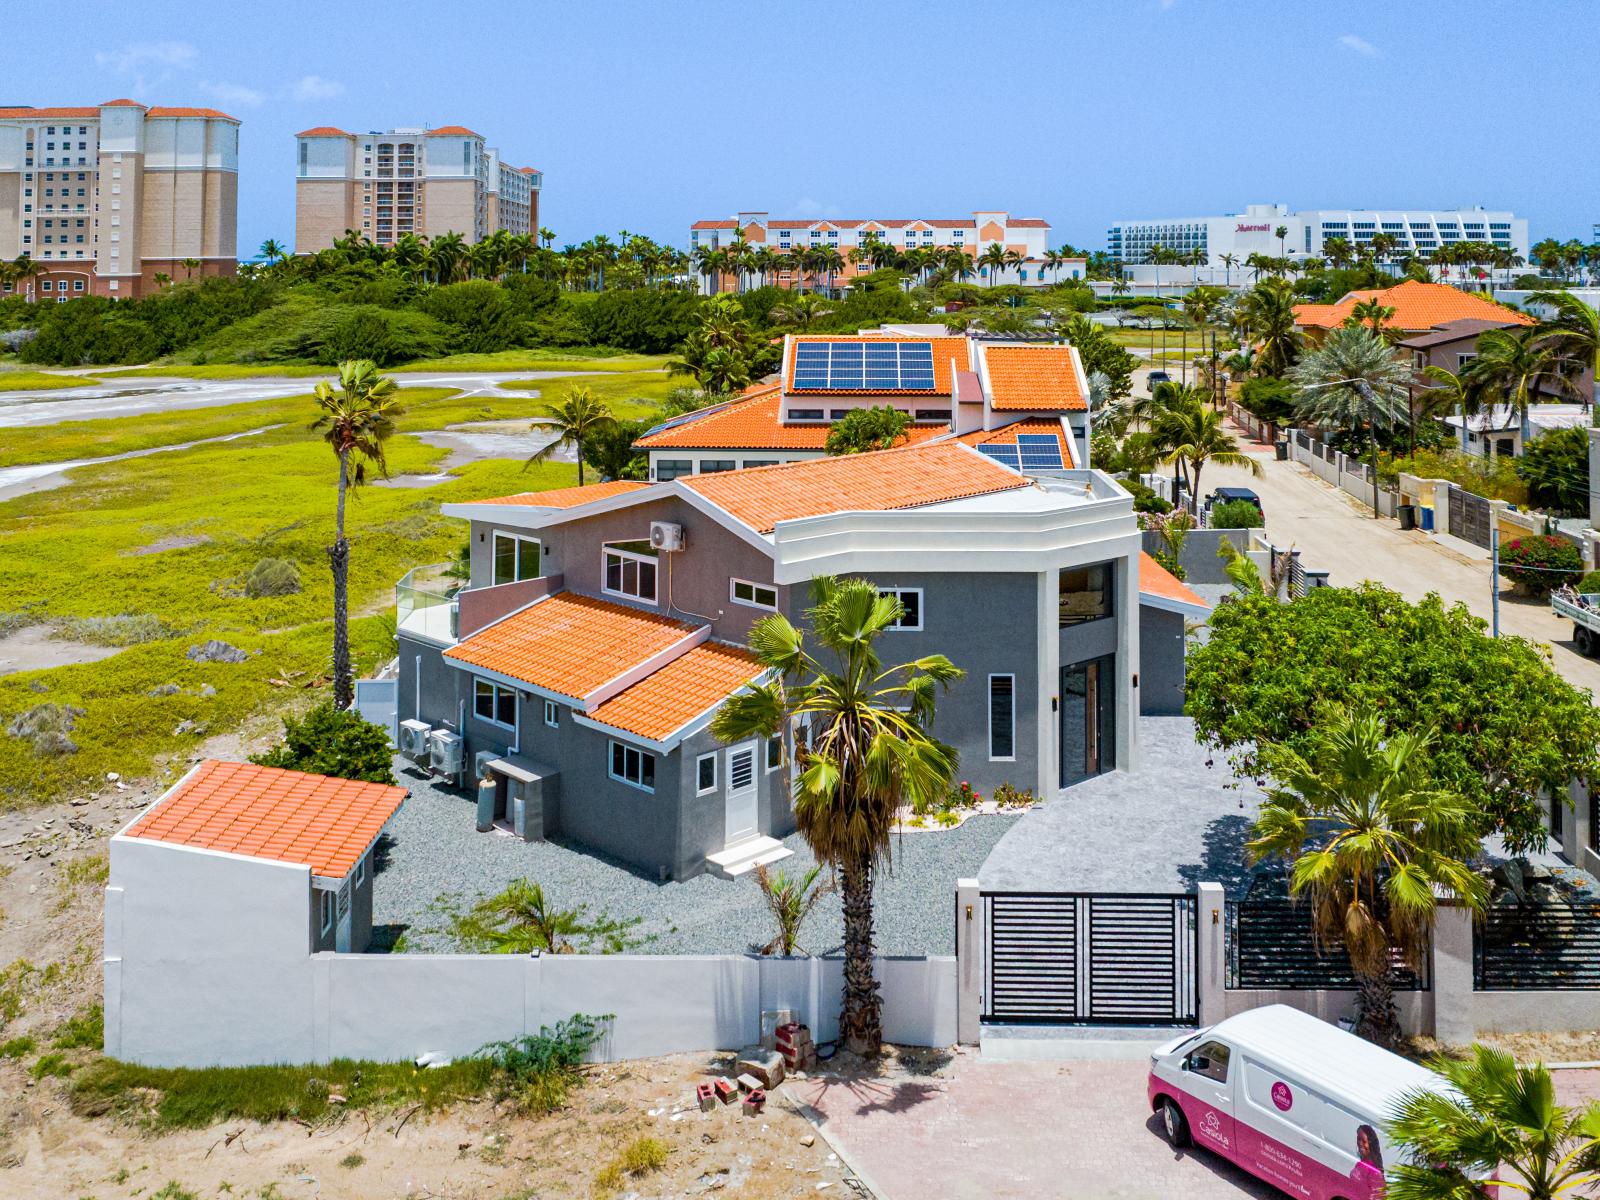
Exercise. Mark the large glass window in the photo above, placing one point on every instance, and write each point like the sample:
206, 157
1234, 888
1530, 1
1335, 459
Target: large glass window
1086, 593
633, 766
491, 702
515, 557
630, 569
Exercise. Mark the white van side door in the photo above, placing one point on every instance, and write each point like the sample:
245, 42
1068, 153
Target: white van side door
1207, 1074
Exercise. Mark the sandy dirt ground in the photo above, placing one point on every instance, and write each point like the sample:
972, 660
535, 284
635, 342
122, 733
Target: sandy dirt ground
34, 649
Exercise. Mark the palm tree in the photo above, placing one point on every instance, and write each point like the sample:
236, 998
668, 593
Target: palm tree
1267, 313
1369, 842
547, 236
993, 261
1450, 393
1514, 366
190, 266
1282, 234
1193, 432
273, 251
1374, 312
1229, 262
862, 751
580, 415
1353, 378
1500, 1117
802, 312
1338, 252
790, 902
1573, 333
356, 419
161, 279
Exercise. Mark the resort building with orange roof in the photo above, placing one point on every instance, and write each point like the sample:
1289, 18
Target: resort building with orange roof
946, 385
384, 184
578, 671
105, 198
786, 239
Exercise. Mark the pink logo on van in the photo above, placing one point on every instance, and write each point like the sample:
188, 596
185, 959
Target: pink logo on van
1282, 1097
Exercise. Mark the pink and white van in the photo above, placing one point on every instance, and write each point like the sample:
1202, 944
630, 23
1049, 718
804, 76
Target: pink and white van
1293, 1100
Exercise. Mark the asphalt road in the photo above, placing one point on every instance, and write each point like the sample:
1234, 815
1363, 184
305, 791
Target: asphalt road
1336, 533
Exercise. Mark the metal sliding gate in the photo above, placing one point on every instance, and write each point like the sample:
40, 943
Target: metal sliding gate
1469, 517
1065, 958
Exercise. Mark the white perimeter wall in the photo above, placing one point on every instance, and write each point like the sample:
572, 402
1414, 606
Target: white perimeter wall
207, 963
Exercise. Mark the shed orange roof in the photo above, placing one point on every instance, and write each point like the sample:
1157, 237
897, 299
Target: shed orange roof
1033, 378
569, 497
1006, 435
666, 700
452, 131
123, 103
906, 477
946, 350
713, 225
324, 131
756, 424
570, 644
1160, 584
317, 821
1416, 305
213, 113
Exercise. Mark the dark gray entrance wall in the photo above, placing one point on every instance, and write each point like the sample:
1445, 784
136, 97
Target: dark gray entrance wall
987, 624
699, 573
703, 829
1161, 669
437, 700
1198, 558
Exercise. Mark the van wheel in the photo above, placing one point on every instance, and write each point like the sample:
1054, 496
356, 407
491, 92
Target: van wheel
1583, 640
1173, 1122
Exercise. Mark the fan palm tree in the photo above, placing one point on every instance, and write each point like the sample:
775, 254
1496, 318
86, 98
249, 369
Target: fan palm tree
802, 312
1514, 366
1573, 333
273, 251
1353, 378
357, 417
580, 416
1368, 842
1501, 1118
862, 751
1193, 432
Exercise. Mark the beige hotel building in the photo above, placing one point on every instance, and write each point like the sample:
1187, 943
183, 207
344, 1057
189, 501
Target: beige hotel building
105, 198
409, 180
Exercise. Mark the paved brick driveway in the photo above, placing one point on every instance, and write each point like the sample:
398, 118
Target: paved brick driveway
993, 1131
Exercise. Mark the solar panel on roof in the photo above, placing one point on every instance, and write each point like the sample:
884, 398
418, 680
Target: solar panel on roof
1005, 455
845, 367
1040, 451
685, 419
864, 366
811, 365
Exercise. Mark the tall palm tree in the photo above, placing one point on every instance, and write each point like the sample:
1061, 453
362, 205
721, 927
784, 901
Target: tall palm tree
1193, 433
1448, 393
1229, 262
1500, 1117
273, 251
1372, 312
357, 417
1267, 314
1282, 234
1573, 333
1515, 366
1368, 842
863, 750
578, 418
993, 261
547, 236
1353, 378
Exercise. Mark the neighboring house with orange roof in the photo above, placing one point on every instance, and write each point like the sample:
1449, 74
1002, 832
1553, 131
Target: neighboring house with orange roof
947, 385
604, 626
1417, 307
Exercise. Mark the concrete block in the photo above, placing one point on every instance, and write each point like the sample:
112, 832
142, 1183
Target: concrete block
766, 1067
726, 1090
706, 1096
749, 1083
772, 1020
754, 1103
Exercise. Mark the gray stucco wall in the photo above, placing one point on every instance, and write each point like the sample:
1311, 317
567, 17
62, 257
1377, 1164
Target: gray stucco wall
1161, 667
1198, 558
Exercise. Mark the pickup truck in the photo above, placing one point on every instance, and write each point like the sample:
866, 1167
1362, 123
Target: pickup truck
1584, 613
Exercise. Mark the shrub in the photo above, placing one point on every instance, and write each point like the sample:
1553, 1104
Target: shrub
1145, 499
647, 320
538, 1072
481, 318
639, 1157
330, 741
46, 726
1270, 399
1555, 466
1540, 563
1589, 584
1007, 795
864, 429
1236, 514
559, 326
86, 1031
363, 335
272, 577
124, 629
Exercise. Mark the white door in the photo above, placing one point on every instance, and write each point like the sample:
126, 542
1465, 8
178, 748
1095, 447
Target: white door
740, 795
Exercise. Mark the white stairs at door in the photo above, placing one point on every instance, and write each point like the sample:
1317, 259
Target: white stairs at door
746, 857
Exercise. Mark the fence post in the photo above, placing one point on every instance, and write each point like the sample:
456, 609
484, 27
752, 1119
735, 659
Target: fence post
969, 961
1453, 1020
1212, 966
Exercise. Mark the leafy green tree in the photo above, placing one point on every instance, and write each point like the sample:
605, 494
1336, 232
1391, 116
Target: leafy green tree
479, 314
865, 753
355, 419
1500, 1119
1368, 840
1270, 399
1100, 352
646, 320
1555, 466
1506, 729
333, 741
363, 334
579, 417
864, 429
609, 450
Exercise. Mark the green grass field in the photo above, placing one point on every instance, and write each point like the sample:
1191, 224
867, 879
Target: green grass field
507, 360
39, 381
222, 371
167, 541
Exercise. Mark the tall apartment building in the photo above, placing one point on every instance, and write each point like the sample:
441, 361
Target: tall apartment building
407, 180
1028, 236
105, 198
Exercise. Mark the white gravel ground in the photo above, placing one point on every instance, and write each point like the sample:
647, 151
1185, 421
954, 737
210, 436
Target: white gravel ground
433, 849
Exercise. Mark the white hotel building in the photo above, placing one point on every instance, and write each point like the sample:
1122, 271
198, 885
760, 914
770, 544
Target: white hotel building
1254, 231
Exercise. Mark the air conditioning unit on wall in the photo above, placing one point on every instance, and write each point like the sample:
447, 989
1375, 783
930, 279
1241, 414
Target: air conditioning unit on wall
414, 739
445, 748
666, 536
481, 761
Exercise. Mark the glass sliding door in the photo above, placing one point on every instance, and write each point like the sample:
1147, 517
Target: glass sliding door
1088, 712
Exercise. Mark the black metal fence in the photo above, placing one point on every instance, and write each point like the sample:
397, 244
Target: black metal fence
1270, 945
1548, 946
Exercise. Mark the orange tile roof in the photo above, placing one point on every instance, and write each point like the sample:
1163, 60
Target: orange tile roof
321, 822
712, 225
324, 131
569, 497
28, 114
452, 131
945, 351
756, 424
570, 644
1033, 378
1027, 223
1416, 305
121, 104
213, 113
906, 477
1155, 580
664, 701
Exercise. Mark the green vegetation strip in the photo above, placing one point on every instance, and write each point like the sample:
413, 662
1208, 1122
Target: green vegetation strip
41, 381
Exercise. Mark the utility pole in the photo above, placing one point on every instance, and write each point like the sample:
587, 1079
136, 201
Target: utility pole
1494, 571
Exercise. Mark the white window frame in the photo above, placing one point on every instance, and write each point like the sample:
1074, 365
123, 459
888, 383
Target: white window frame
755, 590
989, 698
611, 750
494, 702
327, 912
552, 714
516, 558
766, 753
699, 789
898, 593
609, 548
361, 870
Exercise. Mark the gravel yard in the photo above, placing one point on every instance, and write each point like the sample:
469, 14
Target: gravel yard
432, 849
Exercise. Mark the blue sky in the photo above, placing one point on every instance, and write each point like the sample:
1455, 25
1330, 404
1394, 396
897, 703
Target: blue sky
647, 115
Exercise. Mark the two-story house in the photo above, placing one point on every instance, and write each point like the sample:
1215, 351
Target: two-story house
604, 626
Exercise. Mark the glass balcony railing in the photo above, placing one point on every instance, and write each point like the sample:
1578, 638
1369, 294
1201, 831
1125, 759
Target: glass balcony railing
425, 602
